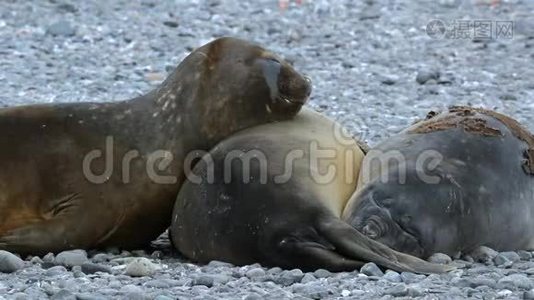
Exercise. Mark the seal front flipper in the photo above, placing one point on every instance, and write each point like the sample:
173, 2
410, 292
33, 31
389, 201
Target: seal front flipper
62, 220
354, 245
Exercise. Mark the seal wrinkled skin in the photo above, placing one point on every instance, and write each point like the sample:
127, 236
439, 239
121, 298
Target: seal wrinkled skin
49, 203
474, 188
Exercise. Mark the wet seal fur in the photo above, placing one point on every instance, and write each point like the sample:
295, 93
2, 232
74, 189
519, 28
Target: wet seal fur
484, 193
48, 203
243, 219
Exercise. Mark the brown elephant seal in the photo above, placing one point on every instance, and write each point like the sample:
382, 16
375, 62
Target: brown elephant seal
458, 180
273, 194
92, 175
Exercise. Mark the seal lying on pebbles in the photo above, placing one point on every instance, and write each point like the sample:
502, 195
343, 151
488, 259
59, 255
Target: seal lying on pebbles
89, 175
453, 182
273, 194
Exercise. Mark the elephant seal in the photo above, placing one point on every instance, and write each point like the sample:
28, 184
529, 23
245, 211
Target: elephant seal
458, 180
273, 194
94, 175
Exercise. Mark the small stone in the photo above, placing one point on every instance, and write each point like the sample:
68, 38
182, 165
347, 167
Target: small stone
483, 254
504, 294
322, 273
399, 290
253, 296
36, 260
90, 296
425, 75
508, 97
61, 28
67, 7
255, 272
163, 297
91, 268
502, 261
172, 24
511, 255
414, 292
63, 295
55, 270
140, 267
409, 277
71, 258
9, 262
203, 280
392, 276
524, 255
515, 281
308, 277
345, 293
219, 264
440, 258
274, 271
528, 295
158, 283
313, 291
49, 258
288, 278
101, 257
371, 269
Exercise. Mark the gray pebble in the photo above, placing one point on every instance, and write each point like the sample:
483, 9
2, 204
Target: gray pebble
528, 295
322, 273
139, 267
514, 281
440, 258
308, 277
255, 272
371, 269
61, 28
424, 76
253, 296
524, 255
409, 277
49, 258
392, 276
91, 268
511, 255
483, 254
71, 258
163, 297
9, 262
287, 278
205, 280
101, 257
502, 261
399, 290
310, 290
90, 296
63, 295
56, 270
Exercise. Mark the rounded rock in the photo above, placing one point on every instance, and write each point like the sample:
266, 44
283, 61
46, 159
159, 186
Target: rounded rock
440, 258
71, 258
371, 269
140, 267
9, 262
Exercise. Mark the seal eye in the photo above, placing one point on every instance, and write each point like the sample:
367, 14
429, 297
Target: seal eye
372, 229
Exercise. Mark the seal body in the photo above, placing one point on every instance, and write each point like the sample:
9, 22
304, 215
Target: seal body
92, 175
458, 180
273, 194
